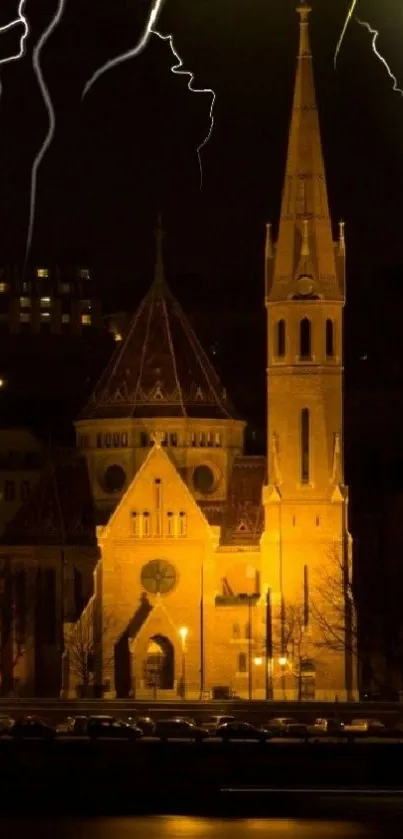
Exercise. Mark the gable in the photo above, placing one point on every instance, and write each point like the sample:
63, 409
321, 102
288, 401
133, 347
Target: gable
157, 505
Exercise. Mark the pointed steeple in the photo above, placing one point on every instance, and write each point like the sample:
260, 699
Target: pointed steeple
305, 231
160, 369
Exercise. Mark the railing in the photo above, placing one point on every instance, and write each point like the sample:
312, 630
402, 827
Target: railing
237, 599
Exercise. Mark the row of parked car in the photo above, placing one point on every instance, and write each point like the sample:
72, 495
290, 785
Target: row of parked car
225, 727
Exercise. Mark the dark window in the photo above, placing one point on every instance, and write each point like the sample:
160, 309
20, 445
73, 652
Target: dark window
247, 630
305, 446
49, 605
280, 344
242, 663
144, 441
114, 478
25, 490
203, 479
305, 338
329, 339
173, 439
20, 605
9, 491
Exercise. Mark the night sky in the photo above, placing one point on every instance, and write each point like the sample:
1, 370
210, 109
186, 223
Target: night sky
129, 150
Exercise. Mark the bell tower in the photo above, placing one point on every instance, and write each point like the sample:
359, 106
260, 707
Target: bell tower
306, 540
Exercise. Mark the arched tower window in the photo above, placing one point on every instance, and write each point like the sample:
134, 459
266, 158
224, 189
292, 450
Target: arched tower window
280, 338
305, 434
329, 339
305, 338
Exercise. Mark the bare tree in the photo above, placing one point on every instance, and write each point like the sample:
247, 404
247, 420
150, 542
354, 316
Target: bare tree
16, 620
332, 608
84, 645
290, 643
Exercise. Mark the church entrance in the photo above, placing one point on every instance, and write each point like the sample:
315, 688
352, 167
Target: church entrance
159, 669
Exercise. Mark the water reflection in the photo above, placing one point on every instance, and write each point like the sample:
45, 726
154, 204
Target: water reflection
181, 827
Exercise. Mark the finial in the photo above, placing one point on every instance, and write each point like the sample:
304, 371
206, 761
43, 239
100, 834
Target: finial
159, 277
342, 241
304, 11
269, 242
158, 438
305, 239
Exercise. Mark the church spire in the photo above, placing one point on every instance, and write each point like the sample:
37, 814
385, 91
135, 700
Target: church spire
305, 222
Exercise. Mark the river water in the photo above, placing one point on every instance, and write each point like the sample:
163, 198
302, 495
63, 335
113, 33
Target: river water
181, 827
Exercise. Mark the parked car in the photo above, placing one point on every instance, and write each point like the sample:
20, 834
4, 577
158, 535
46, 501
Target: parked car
105, 726
241, 731
215, 721
146, 724
327, 727
179, 728
366, 726
6, 724
31, 727
75, 725
286, 727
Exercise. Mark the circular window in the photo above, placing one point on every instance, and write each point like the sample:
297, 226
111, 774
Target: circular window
203, 479
114, 478
158, 576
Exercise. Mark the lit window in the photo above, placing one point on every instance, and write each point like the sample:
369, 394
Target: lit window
202, 439
25, 317
182, 524
65, 288
84, 274
3, 287
146, 524
218, 438
242, 663
42, 273
45, 316
46, 302
86, 320
170, 524
25, 302
135, 524
117, 336
65, 318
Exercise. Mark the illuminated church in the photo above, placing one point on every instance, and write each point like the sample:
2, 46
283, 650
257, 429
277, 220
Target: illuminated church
177, 565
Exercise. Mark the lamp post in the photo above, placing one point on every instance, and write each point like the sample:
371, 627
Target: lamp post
283, 661
183, 634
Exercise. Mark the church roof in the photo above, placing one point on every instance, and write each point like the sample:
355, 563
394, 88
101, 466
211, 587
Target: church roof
243, 516
59, 510
160, 370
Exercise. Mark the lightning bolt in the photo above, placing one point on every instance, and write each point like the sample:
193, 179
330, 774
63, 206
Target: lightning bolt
20, 19
177, 69
344, 30
36, 62
382, 59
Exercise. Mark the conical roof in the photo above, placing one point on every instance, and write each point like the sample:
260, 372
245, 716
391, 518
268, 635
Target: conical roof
160, 370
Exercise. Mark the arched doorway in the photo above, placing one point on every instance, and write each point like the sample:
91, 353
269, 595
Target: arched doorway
159, 670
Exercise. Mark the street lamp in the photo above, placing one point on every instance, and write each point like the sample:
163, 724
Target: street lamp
258, 660
283, 661
183, 634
